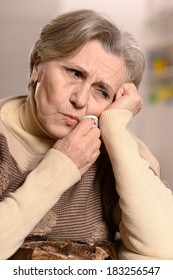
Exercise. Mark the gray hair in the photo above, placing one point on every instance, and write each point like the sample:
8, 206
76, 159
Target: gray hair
67, 33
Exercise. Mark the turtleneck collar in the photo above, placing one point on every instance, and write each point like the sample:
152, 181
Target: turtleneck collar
29, 120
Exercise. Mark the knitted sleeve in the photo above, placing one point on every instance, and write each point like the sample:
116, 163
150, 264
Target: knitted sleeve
146, 226
11, 177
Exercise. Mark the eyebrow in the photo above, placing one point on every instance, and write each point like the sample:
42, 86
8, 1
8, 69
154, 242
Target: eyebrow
85, 73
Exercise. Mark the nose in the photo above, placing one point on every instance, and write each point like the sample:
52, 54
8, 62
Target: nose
80, 96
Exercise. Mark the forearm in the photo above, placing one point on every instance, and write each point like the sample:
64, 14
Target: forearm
147, 205
22, 210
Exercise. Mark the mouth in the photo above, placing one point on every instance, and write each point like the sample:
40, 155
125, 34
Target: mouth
71, 120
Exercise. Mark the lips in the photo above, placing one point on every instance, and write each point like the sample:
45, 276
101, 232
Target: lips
71, 120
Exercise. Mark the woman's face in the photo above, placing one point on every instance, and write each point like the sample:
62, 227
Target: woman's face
80, 85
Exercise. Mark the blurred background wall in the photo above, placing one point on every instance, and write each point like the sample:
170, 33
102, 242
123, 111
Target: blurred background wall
151, 21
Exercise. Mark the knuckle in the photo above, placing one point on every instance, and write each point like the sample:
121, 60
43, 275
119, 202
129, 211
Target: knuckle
138, 99
97, 131
99, 143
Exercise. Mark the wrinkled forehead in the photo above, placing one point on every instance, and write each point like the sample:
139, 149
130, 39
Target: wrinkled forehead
98, 63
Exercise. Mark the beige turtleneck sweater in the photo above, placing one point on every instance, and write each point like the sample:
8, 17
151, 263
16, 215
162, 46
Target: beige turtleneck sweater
146, 226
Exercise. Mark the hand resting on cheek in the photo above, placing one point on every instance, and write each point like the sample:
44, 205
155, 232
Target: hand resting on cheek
127, 97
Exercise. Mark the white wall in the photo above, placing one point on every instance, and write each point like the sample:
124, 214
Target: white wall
20, 23
129, 14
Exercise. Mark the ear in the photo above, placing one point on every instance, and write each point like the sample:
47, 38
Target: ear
37, 72
34, 74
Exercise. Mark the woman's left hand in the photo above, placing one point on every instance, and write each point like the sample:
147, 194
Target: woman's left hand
127, 97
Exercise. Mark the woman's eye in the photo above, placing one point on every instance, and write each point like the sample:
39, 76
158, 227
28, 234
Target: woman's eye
74, 72
102, 93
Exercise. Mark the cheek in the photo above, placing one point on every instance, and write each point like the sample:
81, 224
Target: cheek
43, 99
97, 108
47, 93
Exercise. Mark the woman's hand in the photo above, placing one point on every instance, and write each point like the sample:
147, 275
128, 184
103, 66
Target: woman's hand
82, 144
127, 97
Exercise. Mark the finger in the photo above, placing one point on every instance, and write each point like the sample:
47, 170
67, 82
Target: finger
90, 142
130, 88
93, 158
83, 126
95, 155
93, 135
96, 145
119, 93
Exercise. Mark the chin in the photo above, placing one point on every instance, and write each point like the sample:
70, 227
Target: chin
58, 133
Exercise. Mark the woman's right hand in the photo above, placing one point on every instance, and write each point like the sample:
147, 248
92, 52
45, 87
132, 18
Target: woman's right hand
82, 144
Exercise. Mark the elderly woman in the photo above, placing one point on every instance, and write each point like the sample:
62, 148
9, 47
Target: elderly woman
62, 177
